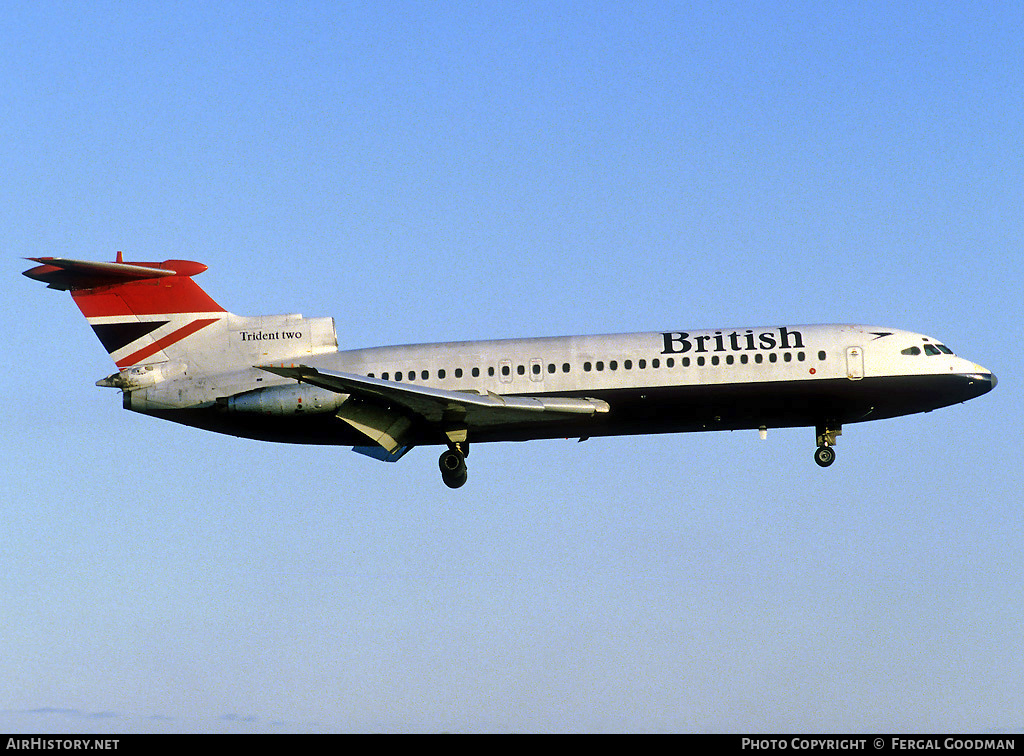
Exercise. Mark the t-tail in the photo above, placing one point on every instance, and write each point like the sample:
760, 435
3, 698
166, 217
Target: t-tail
160, 327
142, 312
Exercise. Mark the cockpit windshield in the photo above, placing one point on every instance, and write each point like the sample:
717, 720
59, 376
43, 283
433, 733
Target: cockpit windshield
929, 349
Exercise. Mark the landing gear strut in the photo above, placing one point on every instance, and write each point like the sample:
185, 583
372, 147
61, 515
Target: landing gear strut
825, 455
453, 466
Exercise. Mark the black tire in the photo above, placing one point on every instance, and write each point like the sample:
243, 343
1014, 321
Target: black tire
824, 456
455, 481
453, 468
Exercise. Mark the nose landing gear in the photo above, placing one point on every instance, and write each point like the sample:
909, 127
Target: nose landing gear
825, 455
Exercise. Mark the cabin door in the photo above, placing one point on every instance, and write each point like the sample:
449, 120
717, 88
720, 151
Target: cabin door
854, 363
505, 371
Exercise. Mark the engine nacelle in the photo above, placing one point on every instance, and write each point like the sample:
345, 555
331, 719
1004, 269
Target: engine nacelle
297, 399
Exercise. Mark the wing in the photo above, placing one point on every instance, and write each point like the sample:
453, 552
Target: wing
387, 409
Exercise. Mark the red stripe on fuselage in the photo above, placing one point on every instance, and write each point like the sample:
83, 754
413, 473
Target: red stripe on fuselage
171, 338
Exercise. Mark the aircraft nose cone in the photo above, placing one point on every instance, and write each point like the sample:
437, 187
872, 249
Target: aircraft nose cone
986, 381
979, 381
985, 378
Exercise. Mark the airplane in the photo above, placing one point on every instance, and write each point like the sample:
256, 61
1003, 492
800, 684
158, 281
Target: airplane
181, 357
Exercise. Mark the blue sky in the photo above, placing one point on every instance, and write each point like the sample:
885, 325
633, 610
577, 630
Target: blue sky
478, 170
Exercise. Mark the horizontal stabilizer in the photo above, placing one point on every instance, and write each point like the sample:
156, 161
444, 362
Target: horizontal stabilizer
70, 275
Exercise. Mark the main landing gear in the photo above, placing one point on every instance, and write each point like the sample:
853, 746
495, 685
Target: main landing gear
825, 455
453, 465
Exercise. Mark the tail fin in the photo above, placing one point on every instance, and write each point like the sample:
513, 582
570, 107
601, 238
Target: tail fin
141, 311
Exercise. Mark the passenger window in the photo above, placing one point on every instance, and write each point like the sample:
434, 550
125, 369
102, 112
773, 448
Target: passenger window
642, 364
458, 372
476, 372
565, 367
821, 355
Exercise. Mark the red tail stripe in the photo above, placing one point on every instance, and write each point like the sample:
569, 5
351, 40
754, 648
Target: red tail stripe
174, 294
100, 305
159, 344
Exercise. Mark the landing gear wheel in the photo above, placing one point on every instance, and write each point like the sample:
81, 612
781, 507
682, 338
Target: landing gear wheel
824, 456
453, 468
826, 433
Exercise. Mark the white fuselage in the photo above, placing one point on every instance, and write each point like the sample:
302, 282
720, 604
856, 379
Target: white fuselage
657, 382
573, 364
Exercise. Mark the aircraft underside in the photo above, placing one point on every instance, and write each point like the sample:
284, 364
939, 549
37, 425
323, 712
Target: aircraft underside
827, 403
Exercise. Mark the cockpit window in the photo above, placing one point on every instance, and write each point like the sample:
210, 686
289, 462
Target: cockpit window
929, 349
